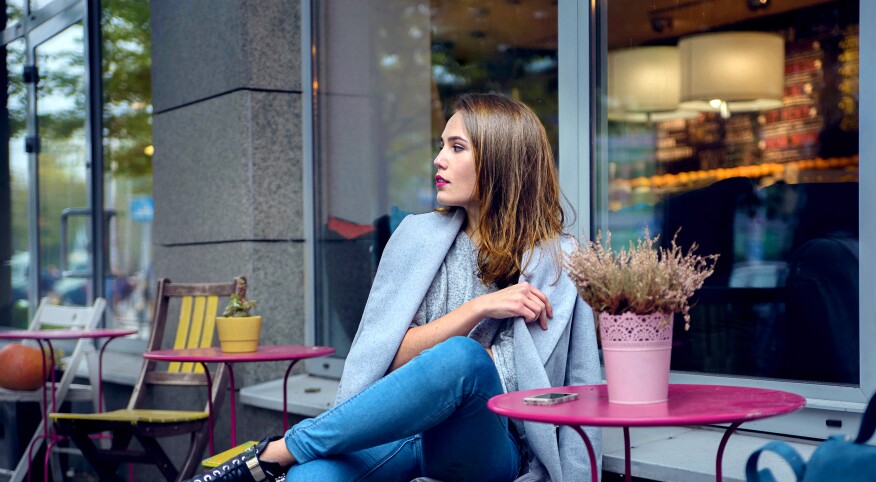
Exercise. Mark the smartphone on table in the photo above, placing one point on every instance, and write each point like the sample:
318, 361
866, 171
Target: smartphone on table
550, 398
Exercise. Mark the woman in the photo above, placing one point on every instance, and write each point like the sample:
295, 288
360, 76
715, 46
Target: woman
468, 302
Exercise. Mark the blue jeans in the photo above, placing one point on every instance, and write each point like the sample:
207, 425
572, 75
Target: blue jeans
428, 418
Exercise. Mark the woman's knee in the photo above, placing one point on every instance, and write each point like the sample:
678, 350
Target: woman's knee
464, 354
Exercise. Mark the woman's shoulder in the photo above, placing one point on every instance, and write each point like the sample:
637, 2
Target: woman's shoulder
547, 259
561, 243
424, 223
421, 237
567, 242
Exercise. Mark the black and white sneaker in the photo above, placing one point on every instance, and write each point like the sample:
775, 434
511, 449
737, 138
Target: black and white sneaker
246, 467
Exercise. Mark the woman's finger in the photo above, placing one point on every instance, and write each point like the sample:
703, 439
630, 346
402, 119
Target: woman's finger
528, 315
547, 303
537, 307
542, 314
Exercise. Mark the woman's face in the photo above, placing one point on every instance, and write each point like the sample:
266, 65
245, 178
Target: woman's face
456, 176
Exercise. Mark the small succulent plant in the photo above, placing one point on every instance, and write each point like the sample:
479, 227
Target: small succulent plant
238, 305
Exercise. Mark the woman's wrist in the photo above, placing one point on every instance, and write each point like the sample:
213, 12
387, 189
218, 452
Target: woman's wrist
477, 310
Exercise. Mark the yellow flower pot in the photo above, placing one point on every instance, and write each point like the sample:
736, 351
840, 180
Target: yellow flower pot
239, 335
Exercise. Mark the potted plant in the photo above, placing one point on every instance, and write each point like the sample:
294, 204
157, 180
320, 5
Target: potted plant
635, 291
238, 329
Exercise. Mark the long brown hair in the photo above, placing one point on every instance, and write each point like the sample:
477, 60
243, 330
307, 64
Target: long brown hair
516, 186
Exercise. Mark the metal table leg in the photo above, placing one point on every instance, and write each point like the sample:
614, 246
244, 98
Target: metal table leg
594, 473
719, 459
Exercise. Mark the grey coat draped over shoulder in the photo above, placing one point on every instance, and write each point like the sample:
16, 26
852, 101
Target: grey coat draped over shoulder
564, 354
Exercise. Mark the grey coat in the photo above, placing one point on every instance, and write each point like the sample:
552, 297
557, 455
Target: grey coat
564, 354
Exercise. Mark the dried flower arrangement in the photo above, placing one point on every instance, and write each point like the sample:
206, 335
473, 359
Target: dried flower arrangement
640, 279
238, 305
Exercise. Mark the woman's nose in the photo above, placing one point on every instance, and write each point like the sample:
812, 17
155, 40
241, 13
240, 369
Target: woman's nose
439, 161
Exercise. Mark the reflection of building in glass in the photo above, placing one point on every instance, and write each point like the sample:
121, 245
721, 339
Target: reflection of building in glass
759, 184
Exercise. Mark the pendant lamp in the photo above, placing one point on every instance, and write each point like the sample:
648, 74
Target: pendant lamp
732, 72
644, 84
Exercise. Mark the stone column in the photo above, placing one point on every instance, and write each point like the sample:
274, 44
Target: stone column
227, 97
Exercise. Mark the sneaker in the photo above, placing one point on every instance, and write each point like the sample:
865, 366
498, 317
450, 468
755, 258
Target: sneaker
246, 467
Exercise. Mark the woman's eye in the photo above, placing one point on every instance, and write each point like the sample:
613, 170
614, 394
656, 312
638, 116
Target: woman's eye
458, 148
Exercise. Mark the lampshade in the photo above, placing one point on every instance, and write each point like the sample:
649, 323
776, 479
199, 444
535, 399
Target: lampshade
732, 71
644, 84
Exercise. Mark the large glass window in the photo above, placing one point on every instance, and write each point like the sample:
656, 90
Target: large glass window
737, 122
47, 200
385, 70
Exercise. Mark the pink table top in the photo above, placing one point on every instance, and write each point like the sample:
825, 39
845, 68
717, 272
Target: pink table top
262, 353
687, 405
64, 334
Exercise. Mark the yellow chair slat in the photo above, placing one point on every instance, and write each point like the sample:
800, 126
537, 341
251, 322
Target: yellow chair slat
194, 337
182, 330
209, 327
135, 416
214, 461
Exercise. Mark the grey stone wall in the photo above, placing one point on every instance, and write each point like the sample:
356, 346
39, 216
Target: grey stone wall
227, 100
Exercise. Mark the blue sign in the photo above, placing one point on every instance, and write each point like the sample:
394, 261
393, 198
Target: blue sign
142, 209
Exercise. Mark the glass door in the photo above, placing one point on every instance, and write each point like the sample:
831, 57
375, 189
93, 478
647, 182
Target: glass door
64, 231
78, 142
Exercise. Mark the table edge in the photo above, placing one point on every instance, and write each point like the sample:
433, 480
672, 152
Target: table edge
800, 404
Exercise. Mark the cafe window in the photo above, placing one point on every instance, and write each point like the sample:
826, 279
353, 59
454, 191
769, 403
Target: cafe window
735, 125
735, 121
384, 71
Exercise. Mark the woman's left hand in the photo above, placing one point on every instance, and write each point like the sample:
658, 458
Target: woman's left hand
521, 299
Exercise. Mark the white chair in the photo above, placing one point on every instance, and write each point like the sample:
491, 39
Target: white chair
60, 317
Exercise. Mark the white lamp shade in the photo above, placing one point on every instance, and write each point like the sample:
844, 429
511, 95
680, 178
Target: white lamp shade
744, 69
643, 79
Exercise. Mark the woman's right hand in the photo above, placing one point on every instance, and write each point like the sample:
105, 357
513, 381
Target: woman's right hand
521, 299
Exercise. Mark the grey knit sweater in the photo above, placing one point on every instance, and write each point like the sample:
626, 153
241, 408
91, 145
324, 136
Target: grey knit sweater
457, 282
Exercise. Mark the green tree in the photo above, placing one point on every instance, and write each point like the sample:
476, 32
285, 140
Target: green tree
127, 51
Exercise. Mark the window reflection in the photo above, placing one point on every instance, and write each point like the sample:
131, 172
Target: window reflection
14, 12
768, 180
65, 259
385, 71
127, 157
14, 179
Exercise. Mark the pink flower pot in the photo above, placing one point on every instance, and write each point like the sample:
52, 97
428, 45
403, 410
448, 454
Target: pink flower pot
636, 350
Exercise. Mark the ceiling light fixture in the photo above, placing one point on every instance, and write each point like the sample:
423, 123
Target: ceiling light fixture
644, 84
729, 72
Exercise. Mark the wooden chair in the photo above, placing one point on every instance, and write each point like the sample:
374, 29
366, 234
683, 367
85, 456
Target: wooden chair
49, 316
198, 307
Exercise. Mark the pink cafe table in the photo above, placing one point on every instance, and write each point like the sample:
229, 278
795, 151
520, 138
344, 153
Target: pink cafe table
291, 353
687, 405
47, 336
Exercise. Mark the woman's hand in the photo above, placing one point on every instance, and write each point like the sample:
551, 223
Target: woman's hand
521, 299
